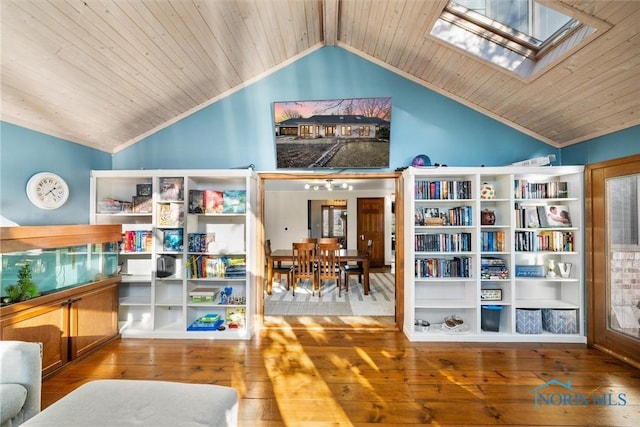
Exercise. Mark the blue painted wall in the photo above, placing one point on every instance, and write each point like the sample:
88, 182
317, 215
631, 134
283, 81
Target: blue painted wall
618, 144
23, 153
238, 130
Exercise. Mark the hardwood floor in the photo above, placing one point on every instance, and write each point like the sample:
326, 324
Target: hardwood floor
311, 375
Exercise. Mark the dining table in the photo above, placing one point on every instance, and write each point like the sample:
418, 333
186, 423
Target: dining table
346, 255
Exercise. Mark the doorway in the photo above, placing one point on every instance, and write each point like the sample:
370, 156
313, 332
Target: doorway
285, 216
613, 243
371, 219
334, 223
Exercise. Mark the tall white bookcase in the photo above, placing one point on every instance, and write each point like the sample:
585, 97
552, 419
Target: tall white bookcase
156, 305
447, 246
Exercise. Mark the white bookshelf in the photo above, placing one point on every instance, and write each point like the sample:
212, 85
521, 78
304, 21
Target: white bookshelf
161, 307
434, 295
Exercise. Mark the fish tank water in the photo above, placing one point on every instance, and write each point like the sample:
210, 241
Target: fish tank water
58, 269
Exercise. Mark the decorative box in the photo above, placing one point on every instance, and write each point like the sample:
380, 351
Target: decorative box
530, 271
528, 321
204, 294
560, 321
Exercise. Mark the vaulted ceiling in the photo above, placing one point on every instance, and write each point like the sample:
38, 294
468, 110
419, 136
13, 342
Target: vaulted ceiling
107, 73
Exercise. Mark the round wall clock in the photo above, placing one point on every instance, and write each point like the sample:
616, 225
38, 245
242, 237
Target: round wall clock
47, 190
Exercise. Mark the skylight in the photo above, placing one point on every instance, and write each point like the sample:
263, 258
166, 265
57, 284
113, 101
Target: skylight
514, 34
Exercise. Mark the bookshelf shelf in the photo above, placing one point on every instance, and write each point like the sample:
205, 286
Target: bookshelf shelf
521, 229
162, 206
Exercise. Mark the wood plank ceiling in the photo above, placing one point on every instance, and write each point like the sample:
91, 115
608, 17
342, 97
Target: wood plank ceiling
107, 73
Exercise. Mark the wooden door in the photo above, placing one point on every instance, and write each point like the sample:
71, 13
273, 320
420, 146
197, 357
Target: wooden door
613, 248
94, 319
371, 227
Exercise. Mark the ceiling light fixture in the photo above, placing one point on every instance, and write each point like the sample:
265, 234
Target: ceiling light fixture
329, 185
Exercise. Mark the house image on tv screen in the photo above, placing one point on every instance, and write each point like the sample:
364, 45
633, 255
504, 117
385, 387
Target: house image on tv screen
347, 133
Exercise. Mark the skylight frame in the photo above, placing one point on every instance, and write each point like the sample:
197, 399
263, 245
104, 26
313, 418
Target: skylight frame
504, 35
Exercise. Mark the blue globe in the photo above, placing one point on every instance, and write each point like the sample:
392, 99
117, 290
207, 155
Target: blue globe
421, 160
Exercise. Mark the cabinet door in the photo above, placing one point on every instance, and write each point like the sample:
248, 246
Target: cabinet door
94, 319
47, 324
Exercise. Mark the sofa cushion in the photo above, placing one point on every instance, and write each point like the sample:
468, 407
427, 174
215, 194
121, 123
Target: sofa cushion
142, 403
12, 398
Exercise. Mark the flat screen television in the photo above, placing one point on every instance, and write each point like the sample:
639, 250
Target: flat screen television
334, 134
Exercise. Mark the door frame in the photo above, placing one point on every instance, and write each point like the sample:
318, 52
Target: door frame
399, 221
598, 335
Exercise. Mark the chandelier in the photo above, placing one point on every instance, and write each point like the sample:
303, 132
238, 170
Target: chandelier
329, 185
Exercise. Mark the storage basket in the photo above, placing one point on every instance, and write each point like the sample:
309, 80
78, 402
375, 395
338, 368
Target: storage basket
528, 321
490, 318
560, 321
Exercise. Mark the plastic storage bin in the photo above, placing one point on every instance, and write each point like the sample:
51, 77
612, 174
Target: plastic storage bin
490, 318
528, 321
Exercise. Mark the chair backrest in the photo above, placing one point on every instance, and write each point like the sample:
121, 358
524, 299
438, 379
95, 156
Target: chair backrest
304, 255
328, 240
308, 240
328, 259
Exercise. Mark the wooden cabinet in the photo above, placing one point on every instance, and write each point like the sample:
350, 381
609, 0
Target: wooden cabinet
69, 322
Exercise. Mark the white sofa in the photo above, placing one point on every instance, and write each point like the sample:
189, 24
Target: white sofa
122, 403
20, 381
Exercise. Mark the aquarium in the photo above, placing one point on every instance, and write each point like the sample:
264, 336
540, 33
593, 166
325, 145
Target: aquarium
52, 270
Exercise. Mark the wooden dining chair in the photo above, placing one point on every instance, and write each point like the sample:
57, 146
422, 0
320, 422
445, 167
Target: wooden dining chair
355, 269
328, 240
278, 268
328, 264
304, 257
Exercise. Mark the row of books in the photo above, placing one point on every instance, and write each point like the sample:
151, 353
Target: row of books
542, 216
552, 241
442, 190
137, 241
443, 267
442, 242
216, 202
201, 242
523, 189
493, 268
458, 216
201, 267
493, 241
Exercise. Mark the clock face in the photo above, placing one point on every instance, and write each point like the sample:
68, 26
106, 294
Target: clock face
47, 190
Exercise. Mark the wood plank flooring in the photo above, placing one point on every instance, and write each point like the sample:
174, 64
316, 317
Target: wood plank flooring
312, 375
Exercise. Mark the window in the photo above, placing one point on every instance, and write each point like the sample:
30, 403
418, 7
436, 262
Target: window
514, 34
345, 130
305, 131
623, 213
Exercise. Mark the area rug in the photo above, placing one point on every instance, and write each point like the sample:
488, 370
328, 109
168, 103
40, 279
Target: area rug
379, 302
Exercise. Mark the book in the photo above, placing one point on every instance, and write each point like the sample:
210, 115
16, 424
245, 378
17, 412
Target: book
171, 188
213, 201
143, 190
554, 216
196, 201
172, 240
236, 317
142, 204
234, 201
170, 214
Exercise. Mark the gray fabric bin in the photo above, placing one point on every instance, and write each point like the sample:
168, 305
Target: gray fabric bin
560, 321
528, 321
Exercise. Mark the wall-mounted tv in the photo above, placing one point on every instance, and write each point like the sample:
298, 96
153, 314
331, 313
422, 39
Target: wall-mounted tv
333, 133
